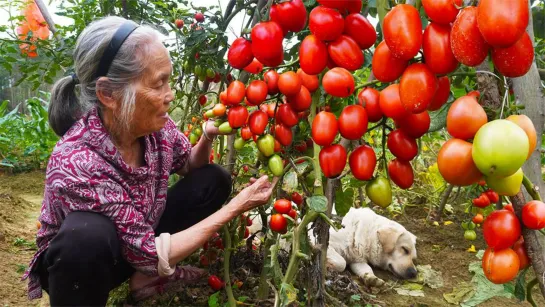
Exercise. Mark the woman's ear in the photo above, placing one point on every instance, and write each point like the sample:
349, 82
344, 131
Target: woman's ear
105, 94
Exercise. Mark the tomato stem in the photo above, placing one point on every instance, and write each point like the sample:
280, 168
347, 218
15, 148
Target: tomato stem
531, 188
529, 288
295, 246
366, 84
226, 271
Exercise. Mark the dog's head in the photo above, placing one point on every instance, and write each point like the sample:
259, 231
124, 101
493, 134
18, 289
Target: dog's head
398, 251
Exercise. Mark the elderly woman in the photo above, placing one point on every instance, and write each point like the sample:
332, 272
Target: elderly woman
107, 213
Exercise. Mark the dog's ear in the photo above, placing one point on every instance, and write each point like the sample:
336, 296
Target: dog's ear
388, 237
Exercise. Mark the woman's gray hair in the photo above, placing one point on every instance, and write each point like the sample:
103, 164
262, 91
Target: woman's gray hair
126, 68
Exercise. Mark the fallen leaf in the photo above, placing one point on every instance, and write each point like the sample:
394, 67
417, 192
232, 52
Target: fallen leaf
429, 276
436, 223
447, 223
471, 249
459, 293
406, 292
484, 289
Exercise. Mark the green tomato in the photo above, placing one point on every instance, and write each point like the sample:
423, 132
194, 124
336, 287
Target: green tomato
210, 73
500, 148
470, 235
218, 123
379, 190
276, 165
193, 138
198, 70
508, 186
265, 144
210, 114
186, 66
465, 225
225, 128
202, 76
310, 178
239, 144
198, 131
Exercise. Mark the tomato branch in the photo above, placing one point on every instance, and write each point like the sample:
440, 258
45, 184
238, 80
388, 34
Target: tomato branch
226, 270
366, 84
531, 188
283, 65
299, 176
529, 288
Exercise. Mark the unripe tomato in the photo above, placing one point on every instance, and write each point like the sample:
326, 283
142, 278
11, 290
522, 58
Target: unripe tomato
501, 229
285, 115
353, 122
301, 101
282, 206
257, 122
379, 191
193, 138
402, 145
311, 82
265, 144
313, 55
289, 83
271, 78
465, 117
437, 51
254, 67
324, 128
390, 103
283, 134
256, 92
533, 214
515, 60
237, 116
468, 45
508, 186
236, 92
219, 109
415, 125
332, 160
276, 166
290, 15
362, 162
441, 94
417, 88
386, 67
338, 82
470, 235
502, 22
239, 144
403, 31
520, 249
456, 164
527, 125
267, 45
361, 30
442, 11
325, 23
278, 223
401, 173
346, 53
500, 266
297, 198
369, 99
215, 282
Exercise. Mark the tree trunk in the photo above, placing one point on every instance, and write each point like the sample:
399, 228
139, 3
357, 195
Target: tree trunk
488, 86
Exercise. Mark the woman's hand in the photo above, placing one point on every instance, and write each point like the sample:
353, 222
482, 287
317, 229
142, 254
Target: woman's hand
213, 131
257, 193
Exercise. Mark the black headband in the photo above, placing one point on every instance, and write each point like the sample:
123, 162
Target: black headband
113, 47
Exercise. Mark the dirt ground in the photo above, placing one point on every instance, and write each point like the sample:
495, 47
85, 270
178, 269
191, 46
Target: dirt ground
443, 247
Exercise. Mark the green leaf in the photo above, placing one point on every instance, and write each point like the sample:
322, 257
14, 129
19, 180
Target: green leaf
439, 118
382, 8
317, 203
213, 300
290, 182
520, 286
344, 200
288, 294
243, 298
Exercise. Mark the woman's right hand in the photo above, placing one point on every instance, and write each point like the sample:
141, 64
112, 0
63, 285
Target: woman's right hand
257, 193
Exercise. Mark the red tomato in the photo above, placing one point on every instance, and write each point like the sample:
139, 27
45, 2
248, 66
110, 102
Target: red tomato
346, 53
289, 83
386, 67
256, 92
516, 60
237, 116
326, 23
353, 122
441, 94
362, 162
456, 164
344, 6
240, 53
301, 147
277, 146
442, 11
533, 214
437, 50
297, 198
312, 55
215, 282
223, 97
401, 173
202, 100
179, 23
338, 82
267, 45
255, 67
415, 125
361, 30
520, 249
390, 103
468, 45
269, 109
332, 160
417, 88
481, 202
271, 78
509, 207
478, 218
500, 266
285, 115
235, 92
282, 206
369, 99
403, 31
501, 229
402, 146
278, 223
293, 214
283, 134
311, 82
502, 22
330, 63
324, 128
493, 196
257, 122
301, 101
245, 132
290, 15
465, 117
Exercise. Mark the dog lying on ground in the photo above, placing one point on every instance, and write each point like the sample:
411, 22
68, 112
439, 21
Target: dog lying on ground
366, 239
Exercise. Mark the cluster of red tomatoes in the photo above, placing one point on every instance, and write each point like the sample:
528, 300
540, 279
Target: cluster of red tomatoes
278, 222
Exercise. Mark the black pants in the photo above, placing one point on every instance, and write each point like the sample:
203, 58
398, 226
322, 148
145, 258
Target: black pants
83, 262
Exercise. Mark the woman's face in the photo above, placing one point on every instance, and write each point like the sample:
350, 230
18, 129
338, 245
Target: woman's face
153, 93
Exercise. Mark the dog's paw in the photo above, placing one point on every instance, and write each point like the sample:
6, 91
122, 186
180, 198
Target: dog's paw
372, 281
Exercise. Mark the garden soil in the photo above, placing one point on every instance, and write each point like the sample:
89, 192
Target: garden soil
440, 246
